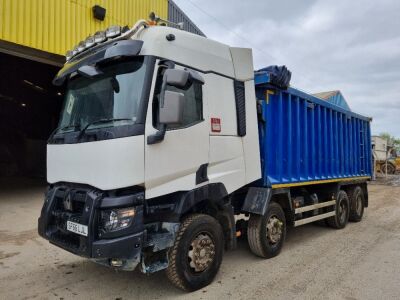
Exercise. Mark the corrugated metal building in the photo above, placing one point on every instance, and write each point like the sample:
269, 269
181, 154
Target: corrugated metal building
176, 15
56, 26
334, 97
34, 36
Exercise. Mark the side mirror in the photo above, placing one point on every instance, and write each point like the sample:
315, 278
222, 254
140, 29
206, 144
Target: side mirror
176, 78
180, 78
172, 103
172, 110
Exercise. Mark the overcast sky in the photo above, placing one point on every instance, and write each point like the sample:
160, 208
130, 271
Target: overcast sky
351, 46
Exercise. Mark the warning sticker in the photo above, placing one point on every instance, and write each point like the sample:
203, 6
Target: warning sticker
215, 124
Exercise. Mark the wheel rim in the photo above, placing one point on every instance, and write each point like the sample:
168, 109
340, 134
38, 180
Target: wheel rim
359, 205
342, 211
202, 252
274, 230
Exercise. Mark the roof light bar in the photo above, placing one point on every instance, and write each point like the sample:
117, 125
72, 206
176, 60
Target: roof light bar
69, 54
113, 31
104, 37
99, 37
75, 51
89, 42
81, 46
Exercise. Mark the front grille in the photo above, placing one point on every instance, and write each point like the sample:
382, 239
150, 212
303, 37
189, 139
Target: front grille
77, 198
68, 205
70, 241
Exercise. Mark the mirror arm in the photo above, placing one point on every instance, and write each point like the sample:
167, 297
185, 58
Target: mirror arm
163, 88
158, 136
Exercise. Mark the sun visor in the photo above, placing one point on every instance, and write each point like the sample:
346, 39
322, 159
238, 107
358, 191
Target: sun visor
124, 48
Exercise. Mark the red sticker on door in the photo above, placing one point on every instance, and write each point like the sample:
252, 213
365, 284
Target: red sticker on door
215, 125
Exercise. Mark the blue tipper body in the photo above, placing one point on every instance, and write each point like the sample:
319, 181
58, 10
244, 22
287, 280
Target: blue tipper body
305, 139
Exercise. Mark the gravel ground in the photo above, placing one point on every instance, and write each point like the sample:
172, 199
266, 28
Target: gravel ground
361, 261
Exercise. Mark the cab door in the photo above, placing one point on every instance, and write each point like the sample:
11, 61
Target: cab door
172, 164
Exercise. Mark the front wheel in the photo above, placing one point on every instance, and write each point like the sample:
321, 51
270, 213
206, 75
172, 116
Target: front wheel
266, 233
196, 256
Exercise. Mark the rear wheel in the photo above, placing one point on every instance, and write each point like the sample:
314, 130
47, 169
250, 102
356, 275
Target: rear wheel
356, 197
266, 233
342, 209
196, 256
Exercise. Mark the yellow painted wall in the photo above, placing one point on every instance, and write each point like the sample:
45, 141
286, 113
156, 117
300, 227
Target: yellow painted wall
56, 26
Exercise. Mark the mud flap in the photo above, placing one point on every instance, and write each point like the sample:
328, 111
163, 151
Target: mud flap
257, 200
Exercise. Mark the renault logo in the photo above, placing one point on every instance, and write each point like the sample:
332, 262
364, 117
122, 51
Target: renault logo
68, 202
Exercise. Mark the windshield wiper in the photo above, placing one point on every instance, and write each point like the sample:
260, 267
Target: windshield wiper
63, 128
83, 130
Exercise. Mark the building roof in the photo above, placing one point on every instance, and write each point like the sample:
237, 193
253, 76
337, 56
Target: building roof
176, 15
326, 95
334, 97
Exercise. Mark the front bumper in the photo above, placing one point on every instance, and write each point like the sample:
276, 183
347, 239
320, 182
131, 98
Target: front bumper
83, 205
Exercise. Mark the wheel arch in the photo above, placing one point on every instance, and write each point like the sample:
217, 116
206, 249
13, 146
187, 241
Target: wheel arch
258, 198
213, 200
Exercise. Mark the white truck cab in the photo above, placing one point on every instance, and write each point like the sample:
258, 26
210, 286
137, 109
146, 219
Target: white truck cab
157, 124
210, 114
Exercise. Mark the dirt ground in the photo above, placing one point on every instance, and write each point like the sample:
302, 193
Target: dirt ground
361, 261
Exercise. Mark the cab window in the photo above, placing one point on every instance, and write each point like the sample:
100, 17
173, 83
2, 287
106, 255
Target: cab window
193, 108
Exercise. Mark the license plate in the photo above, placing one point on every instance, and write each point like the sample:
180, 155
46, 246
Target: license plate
77, 228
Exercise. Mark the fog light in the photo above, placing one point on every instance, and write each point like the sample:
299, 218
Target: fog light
116, 262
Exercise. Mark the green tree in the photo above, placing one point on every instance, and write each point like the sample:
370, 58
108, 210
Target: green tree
391, 140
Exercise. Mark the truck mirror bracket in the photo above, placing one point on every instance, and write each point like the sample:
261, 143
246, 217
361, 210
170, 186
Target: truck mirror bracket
158, 136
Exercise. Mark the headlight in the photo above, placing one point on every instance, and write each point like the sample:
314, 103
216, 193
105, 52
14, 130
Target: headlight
116, 219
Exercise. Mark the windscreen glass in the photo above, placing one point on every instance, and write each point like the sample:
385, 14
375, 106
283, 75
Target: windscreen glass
113, 98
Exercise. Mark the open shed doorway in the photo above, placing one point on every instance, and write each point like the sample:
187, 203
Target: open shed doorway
29, 110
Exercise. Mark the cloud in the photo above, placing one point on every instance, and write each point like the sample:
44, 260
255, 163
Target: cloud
353, 46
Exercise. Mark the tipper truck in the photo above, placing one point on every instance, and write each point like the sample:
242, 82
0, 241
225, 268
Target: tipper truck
170, 146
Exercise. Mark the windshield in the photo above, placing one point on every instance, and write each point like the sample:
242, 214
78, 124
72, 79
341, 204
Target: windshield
111, 99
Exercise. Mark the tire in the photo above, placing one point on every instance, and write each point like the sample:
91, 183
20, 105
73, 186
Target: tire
342, 208
357, 203
195, 232
391, 169
261, 243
